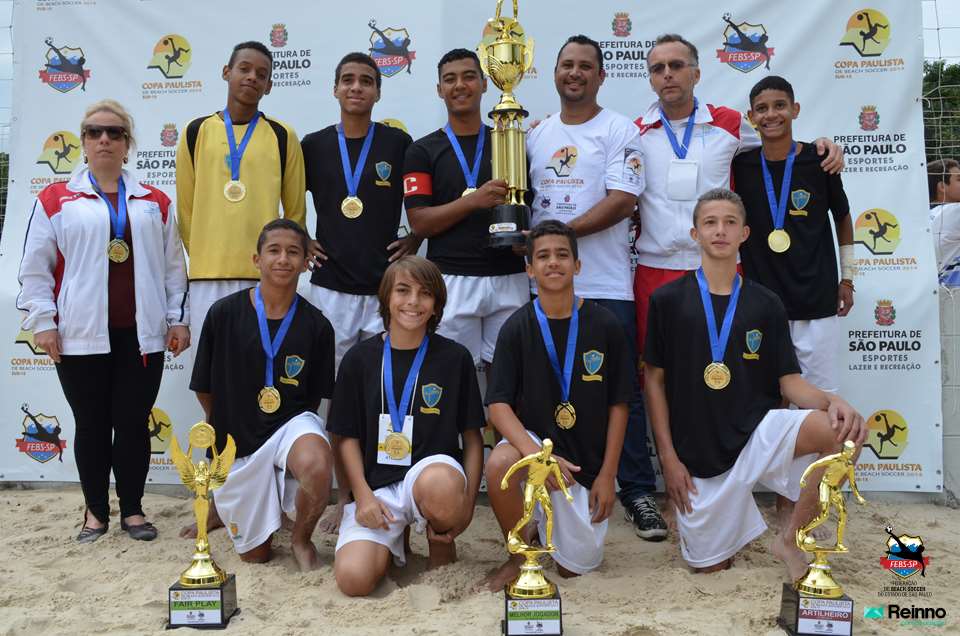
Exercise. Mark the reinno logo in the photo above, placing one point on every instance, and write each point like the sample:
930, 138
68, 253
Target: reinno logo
877, 230
904, 555
41, 436
390, 49
888, 433
744, 46
61, 152
868, 31
64, 69
171, 56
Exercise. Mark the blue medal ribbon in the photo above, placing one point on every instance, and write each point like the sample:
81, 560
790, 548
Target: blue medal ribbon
397, 412
271, 348
118, 217
236, 152
718, 343
352, 175
680, 150
778, 209
563, 377
471, 175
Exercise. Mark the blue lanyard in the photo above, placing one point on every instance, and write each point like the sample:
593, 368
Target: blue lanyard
470, 174
563, 377
718, 343
678, 150
778, 210
118, 217
352, 176
271, 348
236, 153
397, 412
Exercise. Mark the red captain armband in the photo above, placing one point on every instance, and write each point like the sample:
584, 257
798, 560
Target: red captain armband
417, 184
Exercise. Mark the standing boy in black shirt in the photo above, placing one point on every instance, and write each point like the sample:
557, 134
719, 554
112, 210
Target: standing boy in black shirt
263, 364
449, 192
719, 362
404, 400
561, 371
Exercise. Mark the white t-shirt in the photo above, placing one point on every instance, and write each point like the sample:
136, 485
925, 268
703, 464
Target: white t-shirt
572, 168
945, 227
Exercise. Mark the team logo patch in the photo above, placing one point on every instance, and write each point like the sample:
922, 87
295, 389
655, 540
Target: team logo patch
292, 366
383, 171
169, 136
799, 199
592, 361
171, 56
563, 161
41, 437
744, 46
431, 397
61, 152
754, 338
278, 36
64, 69
390, 49
904, 555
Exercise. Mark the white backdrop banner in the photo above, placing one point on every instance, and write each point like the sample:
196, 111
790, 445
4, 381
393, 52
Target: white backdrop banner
856, 70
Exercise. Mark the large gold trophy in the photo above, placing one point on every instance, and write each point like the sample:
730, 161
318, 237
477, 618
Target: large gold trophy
506, 53
532, 597
816, 598
205, 595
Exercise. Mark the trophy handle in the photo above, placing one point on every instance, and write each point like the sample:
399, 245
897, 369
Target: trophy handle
528, 55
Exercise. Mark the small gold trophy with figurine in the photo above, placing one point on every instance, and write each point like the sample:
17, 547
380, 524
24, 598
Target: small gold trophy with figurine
205, 595
506, 53
816, 599
532, 600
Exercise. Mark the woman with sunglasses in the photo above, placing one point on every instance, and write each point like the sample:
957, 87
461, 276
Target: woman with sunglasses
103, 282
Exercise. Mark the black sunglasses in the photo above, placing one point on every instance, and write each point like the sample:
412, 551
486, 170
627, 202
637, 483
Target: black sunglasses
113, 132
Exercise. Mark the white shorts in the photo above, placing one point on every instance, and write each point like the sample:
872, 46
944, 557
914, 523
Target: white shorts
354, 317
578, 540
477, 306
817, 343
259, 487
725, 516
398, 497
203, 293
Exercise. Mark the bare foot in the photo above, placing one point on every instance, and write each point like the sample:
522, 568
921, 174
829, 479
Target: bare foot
213, 522
504, 574
726, 564
785, 548
306, 555
331, 521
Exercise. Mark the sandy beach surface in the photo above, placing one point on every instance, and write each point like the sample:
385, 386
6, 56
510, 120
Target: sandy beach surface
51, 585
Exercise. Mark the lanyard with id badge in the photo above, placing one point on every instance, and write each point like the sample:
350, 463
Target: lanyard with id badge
395, 428
683, 173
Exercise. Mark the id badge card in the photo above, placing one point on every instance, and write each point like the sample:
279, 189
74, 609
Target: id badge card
394, 449
682, 179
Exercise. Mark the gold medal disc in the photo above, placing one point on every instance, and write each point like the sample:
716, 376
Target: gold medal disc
468, 191
565, 415
396, 446
234, 191
352, 207
779, 241
118, 251
269, 399
202, 435
716, 375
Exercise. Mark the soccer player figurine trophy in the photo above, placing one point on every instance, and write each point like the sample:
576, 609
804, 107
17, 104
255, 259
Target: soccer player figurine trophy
531, 598
205, 596
816, 598
506, 53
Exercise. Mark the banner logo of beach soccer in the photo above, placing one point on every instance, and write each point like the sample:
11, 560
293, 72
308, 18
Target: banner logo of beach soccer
877, 230
868, 32
41, 440
278, 36
171, 56
160, 428
904, 555
61, 152
745, 46
64, 69
885, 314
888, 434
621, 24
390, 49
869, 118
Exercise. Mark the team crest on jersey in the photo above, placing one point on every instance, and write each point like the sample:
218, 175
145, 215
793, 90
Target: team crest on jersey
563, 161
64, 69
390, 49
292, 366
383, 171
431, 397
592, 361
754, 338
799, 199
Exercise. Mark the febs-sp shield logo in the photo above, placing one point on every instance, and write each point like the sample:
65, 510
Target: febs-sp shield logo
171, 56
41, 436
904, 556
64, 69
877, 230
61, 152
868, 31
390, 49
888, 432
744, 46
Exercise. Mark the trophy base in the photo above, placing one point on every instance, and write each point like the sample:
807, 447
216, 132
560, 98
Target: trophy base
532, 615
802, 614
202, 607
507, 224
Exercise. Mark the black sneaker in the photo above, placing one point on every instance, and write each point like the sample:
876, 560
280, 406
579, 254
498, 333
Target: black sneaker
645, 517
